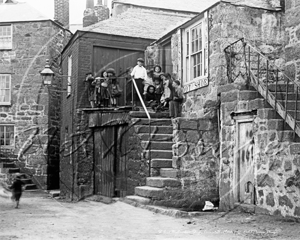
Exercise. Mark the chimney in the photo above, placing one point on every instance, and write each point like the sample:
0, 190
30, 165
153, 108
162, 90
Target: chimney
61, 12
89, 4
95, 14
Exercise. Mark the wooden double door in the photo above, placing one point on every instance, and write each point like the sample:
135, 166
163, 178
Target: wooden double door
110, 145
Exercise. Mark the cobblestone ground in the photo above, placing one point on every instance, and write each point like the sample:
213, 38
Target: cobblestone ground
40, 217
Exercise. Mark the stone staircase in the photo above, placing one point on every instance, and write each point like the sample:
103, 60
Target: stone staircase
159, 150
8, 170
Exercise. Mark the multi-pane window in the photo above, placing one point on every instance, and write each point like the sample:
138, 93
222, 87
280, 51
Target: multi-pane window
5, 37
195, 53
5, 89
7, 133
69, 87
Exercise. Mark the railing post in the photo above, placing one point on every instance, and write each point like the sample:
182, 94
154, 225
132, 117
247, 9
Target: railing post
276, 82
230, 64
258, 66
295, 116
267, 81
150, 160
132, 94
249, 65
286, 99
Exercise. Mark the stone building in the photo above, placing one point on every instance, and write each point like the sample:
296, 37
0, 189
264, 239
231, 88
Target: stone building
30, 112
117, 43
239, 70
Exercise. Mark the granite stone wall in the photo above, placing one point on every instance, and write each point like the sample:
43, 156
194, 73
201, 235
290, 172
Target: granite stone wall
196, 156
35, 109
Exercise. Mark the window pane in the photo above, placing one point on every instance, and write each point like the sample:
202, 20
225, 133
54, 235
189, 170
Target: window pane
187, 43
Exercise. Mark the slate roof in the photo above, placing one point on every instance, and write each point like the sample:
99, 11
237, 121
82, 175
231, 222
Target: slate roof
195, 6
199, 5
140, 23
19, 12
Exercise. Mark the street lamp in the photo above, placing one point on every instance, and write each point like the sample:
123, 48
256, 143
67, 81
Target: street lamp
47, 74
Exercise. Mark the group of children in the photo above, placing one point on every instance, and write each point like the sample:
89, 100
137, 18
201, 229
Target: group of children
105, 90
158, 90
161, 92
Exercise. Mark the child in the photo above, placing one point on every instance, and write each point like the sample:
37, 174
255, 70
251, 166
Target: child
115, 92
150, 99
104, 94
17, 188
91, 89
175, 104
139, 74
157, 72
148, 81
168, 90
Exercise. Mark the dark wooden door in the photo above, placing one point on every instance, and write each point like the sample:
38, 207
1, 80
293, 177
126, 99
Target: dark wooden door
118, 59
110, 144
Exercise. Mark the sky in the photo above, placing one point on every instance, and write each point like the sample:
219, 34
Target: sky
47, 8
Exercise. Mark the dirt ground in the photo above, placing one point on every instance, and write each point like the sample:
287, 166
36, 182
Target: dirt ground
41, 217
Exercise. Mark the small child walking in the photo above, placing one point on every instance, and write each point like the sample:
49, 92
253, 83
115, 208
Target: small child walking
175, 104
17, 189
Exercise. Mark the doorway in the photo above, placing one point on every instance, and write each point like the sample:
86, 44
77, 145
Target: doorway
110, 161
244, 190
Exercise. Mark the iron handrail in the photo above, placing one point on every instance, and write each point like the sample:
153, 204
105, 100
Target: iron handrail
263, 86
149, 119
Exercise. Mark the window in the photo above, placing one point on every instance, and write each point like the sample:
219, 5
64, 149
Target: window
5, 37
69, 87
7, 133
5, 89
194, 53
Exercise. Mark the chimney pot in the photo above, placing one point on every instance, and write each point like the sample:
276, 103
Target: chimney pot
89, 3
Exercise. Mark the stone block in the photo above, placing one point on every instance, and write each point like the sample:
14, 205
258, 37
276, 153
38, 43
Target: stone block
288, 166
150, 192
229, 96
295, 148
187, 124
192, 136
161, 182
264, 180
285, 201
270, 200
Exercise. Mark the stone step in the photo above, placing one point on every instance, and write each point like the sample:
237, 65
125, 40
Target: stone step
138, 199
277, 124
154, 122
281, 88
169, 172
149, 192
160, 145
7, 165
154, 129
161, 154
291, 96
161, 163
292, 113
142, 114
156, 137
30, 187
9, 170
161, 182
26, 181
290, 104
268, 113
248, 95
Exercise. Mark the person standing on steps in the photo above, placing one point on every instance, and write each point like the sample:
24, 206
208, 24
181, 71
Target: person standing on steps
139, 74
17, 189
177, 99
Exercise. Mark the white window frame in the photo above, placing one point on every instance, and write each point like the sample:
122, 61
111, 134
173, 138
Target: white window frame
7, 37
194, 49
190, 80
69, 84
11, 145
4, 88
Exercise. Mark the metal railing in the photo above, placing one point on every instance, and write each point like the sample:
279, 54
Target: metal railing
149, 119
248, 64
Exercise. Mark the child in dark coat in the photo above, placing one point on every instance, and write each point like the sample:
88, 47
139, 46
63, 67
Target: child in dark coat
150, 99
175, 104
17, 189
